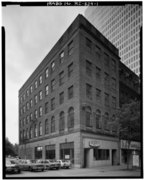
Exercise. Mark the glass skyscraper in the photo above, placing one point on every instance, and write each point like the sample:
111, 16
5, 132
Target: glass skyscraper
120, 25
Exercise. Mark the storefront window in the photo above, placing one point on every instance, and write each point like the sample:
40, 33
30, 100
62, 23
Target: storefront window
67, 151
38, 152
50, 152
101, 154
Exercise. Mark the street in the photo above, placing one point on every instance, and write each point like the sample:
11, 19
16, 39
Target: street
110, 171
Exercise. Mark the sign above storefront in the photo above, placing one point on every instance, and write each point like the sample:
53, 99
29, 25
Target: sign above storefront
94, 144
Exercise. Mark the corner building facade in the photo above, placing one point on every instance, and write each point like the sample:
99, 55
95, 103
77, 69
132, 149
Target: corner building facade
67, 102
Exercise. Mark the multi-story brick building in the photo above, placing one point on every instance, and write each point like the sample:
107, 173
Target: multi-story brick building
67, 102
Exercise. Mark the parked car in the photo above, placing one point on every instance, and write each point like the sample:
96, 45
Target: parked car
64, 163
12, 166
53, 164
46, 163
31, 165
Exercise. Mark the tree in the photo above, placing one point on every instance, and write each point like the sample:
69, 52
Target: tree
10, 149
128, 124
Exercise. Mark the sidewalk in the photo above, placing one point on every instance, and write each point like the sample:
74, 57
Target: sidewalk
115, 168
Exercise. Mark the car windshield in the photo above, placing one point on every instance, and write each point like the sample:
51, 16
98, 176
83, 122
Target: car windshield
13, 162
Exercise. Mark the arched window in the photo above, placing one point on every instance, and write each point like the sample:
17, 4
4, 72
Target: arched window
53, 124
61, 121
88, 117
106, 120
35, 131
46, 126
71, 117
31, 132
40, 129
98, 118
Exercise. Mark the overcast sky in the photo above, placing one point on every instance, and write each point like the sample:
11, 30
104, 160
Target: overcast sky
31, 32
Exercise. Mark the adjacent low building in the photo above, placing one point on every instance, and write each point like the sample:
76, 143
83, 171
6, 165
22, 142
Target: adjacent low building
67, 102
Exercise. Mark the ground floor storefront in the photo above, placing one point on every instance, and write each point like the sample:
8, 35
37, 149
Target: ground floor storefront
83, 149
130, 154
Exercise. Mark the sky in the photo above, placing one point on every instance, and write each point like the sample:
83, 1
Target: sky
31, 32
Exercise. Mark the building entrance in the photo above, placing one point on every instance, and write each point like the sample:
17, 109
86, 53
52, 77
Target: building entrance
113, 156
86, 150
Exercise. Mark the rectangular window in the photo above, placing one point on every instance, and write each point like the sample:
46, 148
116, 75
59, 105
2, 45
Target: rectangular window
24, 97
52, 85
36, 85
98, 94
31, 116
61, 78
98, 73
98, 52
88, 68
50, 151
38, 152
27, 93
27, 106
27, 120
40, 80
113, 65
31, 103
106, 60
70, 92
24, 109
46, 73
36, 115
31, 89
52, 67
46, 90
70, 48
46, 107
106, 79
88, 43
106, 99
40, 95
61, 98
52, 104
88, 91
113, 102
114, 84
36, 99
101, 154
40, 111
70, 70
61, 57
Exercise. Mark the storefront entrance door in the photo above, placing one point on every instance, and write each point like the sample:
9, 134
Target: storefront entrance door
113, 156
85, 157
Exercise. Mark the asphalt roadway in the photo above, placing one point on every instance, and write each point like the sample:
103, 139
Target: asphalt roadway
105, 171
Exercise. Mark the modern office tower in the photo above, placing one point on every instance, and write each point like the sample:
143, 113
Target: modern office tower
121, 26
66, 104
